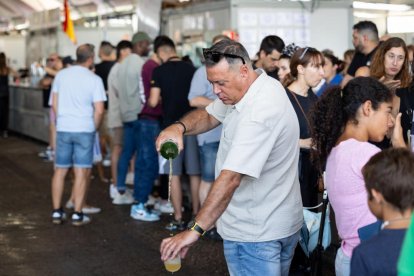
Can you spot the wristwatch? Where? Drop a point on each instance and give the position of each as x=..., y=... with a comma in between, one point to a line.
x=195, y=227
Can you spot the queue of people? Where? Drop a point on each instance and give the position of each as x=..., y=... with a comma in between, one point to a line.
x=255, y=135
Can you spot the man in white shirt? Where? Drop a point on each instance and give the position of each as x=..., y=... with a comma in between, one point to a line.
x=78, y=102
x=256, y=195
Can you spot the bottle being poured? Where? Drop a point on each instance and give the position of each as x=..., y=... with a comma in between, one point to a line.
x=169, y=150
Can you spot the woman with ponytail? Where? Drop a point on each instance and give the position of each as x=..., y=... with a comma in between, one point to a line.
x=342, y=123
x=306, y=71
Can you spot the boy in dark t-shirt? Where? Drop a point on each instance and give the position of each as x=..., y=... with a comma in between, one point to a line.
x=170, y=84
x=388, y=178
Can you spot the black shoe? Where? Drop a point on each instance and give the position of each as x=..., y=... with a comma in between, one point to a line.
x=175, y=225
x=58, y=216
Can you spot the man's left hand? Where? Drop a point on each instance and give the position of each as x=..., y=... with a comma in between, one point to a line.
x=179, y=244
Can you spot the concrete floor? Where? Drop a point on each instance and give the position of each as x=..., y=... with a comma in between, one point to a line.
x=112, y=244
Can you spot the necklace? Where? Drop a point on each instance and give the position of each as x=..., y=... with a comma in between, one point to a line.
x=391, y=221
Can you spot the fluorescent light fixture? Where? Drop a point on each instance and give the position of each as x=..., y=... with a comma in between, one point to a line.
x=400, y=24
x=379, y=6
x=368, y=15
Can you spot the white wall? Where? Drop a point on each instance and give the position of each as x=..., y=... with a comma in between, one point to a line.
x=14, y=47
x=93, y=36
x=330, y=29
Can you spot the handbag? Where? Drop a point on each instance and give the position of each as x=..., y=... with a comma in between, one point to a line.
x=312, y=225
x=97, y=154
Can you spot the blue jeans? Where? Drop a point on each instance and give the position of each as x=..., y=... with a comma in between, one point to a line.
x=74, y=149
x=260, y=258
x=129, y=147
x=147, y=159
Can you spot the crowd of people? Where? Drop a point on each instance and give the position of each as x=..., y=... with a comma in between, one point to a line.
x=255, y=135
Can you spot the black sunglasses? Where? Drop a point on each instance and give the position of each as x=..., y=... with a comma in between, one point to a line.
x=217, y=56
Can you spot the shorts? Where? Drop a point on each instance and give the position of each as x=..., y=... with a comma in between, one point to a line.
x=74, y=149
x=188, y=157
x=117, y=136
x=208, y=155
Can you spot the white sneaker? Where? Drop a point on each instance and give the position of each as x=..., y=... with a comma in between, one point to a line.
x=152, y=200
x=130, y=178
x=139, y=212
x=91, y=210
x=69, y=205
x=112, y=191
x=166, y=208
x=106, y=163
x=87, y=210
x=123, y=199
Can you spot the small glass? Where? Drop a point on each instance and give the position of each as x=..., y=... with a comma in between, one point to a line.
x=173, y=265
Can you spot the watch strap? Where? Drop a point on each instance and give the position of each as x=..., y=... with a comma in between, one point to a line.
x=197, y=228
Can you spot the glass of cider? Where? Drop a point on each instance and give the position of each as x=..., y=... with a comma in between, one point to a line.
x=173, y=265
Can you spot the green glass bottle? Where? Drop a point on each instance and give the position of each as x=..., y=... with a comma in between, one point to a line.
x=169, y=149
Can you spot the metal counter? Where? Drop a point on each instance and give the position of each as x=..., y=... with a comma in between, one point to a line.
x=27, y=114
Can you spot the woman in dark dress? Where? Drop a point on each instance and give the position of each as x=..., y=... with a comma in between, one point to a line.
x=306, y=71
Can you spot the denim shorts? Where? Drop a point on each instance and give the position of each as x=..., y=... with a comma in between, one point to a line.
x=74, y=149
x=208, y=155
x=260, y=258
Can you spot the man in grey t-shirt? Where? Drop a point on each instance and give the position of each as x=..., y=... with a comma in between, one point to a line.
x=256, y=196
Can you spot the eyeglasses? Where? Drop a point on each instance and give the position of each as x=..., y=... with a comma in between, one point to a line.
x=217, y=56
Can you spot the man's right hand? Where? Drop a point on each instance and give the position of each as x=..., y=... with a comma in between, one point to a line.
x=175, y=133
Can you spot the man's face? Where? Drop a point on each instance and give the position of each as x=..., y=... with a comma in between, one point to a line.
x=142, y=48
x=226, y=82
x=357, y=40
x=270, y=61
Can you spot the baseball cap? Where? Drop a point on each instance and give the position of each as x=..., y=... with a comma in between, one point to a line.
x=140, y=36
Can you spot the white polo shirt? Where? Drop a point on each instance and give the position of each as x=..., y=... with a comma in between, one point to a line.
x=260, y=140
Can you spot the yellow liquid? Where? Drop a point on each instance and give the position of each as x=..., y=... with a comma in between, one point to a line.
x=172, y=267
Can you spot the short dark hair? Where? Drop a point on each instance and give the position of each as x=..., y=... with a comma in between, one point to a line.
x=163, y=41
x=391, y=172
x=106, y=48
x=231, y=47
x=270, y=43
x=368, y=27
x=123, y=44
x=83, y=52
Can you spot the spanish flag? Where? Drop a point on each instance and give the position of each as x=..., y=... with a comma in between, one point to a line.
x=68, y=24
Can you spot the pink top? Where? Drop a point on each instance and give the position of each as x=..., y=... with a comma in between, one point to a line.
x=346, y=189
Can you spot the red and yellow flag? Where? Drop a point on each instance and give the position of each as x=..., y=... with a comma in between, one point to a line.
x=68, y=24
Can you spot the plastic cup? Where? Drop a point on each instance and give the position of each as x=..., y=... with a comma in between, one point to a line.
x=173, y=265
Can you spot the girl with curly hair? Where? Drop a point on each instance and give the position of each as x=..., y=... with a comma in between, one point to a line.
x=342, y=123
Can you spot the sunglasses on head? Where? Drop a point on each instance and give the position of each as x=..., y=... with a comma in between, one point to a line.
x=217, y=56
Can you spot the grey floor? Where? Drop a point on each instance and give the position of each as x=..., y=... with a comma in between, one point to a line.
x=112, y=244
